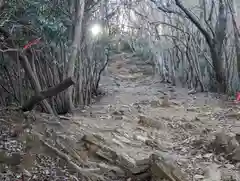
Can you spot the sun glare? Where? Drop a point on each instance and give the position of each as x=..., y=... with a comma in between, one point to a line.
x=96, y=29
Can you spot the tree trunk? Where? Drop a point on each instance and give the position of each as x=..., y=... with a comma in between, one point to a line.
x=218, y=69
x=34, y=81
x=74, y=49
x=215, y=42
x=236, y=34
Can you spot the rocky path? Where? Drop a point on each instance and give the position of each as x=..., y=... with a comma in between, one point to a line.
x=135, y=121
x=136, y=132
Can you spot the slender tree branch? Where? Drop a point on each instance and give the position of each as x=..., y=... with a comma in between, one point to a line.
x=195, y=22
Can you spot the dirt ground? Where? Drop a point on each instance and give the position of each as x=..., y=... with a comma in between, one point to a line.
x=134, y=120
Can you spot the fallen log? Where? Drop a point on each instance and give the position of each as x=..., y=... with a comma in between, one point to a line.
x=53, y=91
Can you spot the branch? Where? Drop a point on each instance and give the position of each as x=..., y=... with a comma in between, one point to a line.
x=166, y=10
x=53, y=91
x=174, y=37
x=159, y=22
x=168, y=24
x=233, y=18
x=211, y=12
x=195, y=22
x=9, y=50
x=208, y=21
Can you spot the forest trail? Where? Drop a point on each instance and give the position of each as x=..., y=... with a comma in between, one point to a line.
x=133, y=122
x=119, y=136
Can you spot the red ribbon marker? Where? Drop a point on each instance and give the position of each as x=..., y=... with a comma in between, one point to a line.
x=34, y=42
x=238, y=96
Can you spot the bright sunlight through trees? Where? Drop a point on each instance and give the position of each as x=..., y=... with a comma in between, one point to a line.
x=96, y=29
